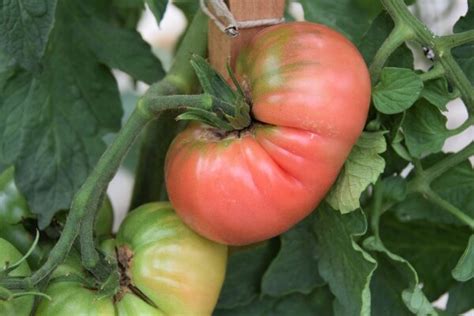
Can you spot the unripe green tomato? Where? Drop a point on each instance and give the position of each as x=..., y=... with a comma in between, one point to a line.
x=167, y=270
x=20, y=306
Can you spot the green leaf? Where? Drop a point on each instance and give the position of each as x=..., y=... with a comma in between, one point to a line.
x=455, y=186
x=244, y=274
x=437, y=93
x=52, y=124
x=189, y=7
x=346, y=16
x=464, y=269
x=397, y=90
x=7, y=69
x=395, y=287
x=294, y=268
x=319, y=302
x=460, y=298
x=121, y=49
x=362, y=167
x=394, y=189
x=343, y=263
x=124, y=13
x=432, y=249
x=25, y=29
x=158, y=7
x=425, y=129
x=464, y=54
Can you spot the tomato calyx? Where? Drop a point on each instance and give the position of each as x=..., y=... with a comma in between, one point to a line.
x=124, y=259
x=229, y=109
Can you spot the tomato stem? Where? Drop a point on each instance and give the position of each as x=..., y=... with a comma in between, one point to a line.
x=449, y=162
x=457, y=39
x=421, y=183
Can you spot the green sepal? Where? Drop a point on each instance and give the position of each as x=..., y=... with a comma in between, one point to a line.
x=230, y=108
x=210, y=118
x=211, y=81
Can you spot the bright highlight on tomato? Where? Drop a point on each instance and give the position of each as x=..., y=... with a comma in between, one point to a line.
x=310, y=93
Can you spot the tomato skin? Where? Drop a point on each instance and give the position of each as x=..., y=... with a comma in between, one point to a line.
x=71, y=298
x=310, y=91
x=179, y=271
x=20, y=306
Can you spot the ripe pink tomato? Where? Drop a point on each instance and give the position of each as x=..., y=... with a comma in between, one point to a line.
x=310, y=93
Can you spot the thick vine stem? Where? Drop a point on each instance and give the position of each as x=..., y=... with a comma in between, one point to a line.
x=457, y=39
x=397, y=37
x=90, y=257
x=89, y=196
x=434, y=73
x=441, y=46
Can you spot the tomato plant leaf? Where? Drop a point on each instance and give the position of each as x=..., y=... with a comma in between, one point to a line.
x=455, y=186
x=395, y=288
x=346, y=16
x=25, y=29
x=394, y=189
x=362, y=167
x=437, y=93
x=464, y=54
x=189, y=7
x=7, y=68
x=60, y=117
x=293, y=269
x=424, y=129
x=460, y=298
x=464, y=269
x=397, y=90
x=422, y=243
x=343, y=263
x=244, y=274
x=158, y=8
x=120, y=48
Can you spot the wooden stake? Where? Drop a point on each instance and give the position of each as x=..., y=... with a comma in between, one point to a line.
x=222, y=47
